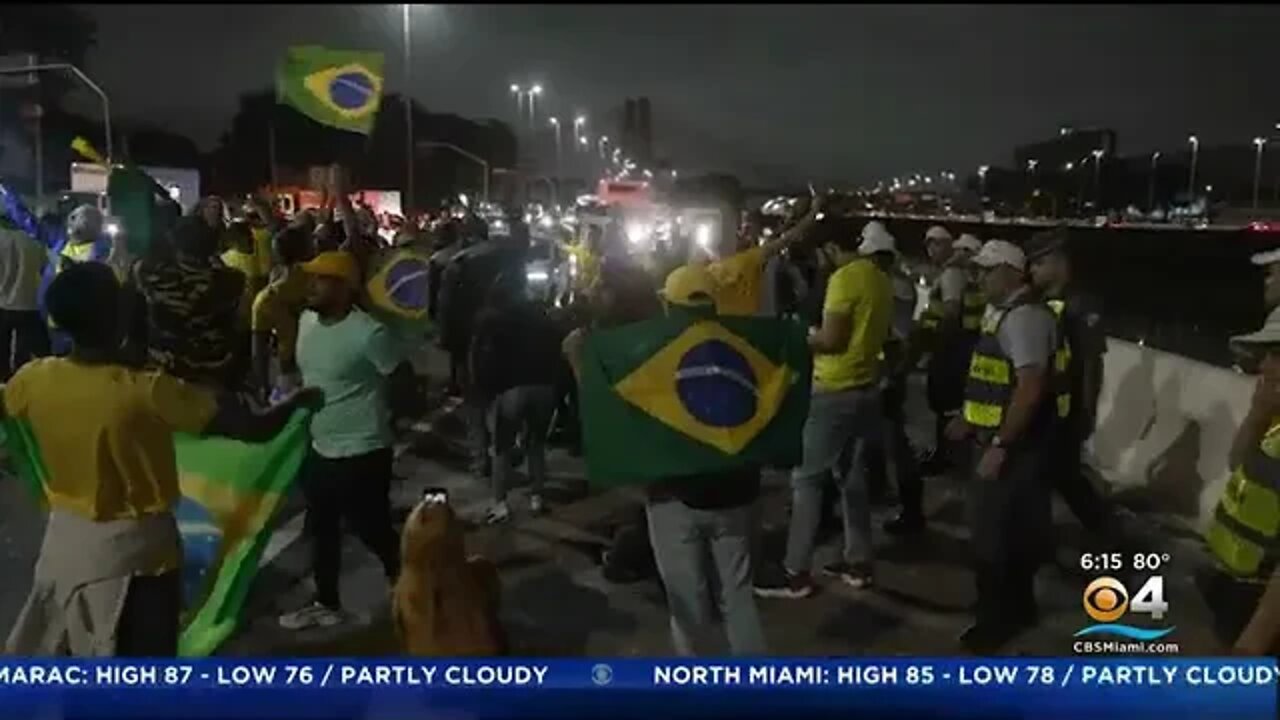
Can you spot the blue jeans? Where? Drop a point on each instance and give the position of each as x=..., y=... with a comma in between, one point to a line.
x=845, y=418
x=683, y=540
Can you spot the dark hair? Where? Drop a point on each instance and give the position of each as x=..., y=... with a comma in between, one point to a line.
x=846, y=240
x=241, y=230
x=292, y=245
x=84, y=300
x=192, y=236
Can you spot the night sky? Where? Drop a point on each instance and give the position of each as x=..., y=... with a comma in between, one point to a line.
x=774, y=93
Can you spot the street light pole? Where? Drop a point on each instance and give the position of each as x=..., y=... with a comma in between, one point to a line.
x=1195, y=155
x=982, y=181
x=1259, y=142
x=408, y=112
x=555, y=123
x=68, y=67
x=534, y=92
x=519, y=93
x=1151, y=185
x=1097, y=179
x=470, y=156
x=578, y=123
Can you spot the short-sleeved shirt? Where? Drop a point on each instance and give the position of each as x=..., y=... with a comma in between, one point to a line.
x=739, y=282
x=1028, y=334
x=262, y=249
x=952, y=282
x=105, y=433
x=247, y=265
x=276, y=311
x=349, y=360
x=862, y=291
x=192, y=315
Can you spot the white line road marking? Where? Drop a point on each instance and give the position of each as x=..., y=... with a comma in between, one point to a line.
x=283, y=537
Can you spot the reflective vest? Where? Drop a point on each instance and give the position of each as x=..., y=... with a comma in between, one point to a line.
x=1246, y=523
x=973, y=305
x=1061, y=361
x=989, y=388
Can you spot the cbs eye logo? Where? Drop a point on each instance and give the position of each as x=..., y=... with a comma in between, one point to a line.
x=1106, y=599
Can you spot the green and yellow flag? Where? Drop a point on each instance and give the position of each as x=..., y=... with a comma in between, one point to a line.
x=684, y=395
x=339, y=88
x=230, y=494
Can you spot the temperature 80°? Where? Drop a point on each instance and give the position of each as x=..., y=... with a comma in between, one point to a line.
x=1150, y=562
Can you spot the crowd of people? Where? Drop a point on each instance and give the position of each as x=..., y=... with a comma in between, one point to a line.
x=235, y=318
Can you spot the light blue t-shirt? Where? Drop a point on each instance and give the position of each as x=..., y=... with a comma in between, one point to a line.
x=350, y=361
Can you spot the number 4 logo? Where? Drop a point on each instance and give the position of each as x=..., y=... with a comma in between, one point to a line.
x=1150, y=598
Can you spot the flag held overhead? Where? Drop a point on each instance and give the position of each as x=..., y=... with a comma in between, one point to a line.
x=339, y=88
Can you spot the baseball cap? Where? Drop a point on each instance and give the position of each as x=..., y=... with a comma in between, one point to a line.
x=937, y=232
x=1046, y=242
x=876, y=238
x=968, y=242
x=1268, y=334
x=334, y=264
x=1001, y=252
x=689, y=285
x=1269, y=257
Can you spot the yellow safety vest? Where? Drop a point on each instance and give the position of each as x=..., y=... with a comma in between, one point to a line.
x=989, y=387
x=1062, y=361
x=973, y=305
x=71, y=254
x=1246, y=523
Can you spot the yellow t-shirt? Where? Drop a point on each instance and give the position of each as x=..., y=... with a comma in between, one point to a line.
x=739, y=281
x=262, y=250
x=247, y=264
x=276, y=310
x=106, y=433
x=862, y=291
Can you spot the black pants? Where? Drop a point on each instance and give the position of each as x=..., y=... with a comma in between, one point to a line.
x=358, y=490
x=896, y=444
x=1076, y=490
x=148, y=625
x=1010, y=527
x=23, y=336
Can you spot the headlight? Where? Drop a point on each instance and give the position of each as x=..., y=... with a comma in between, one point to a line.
x=702, y=236
x=637, y=233
x=546, y=222
x=536, y=276
x=498, y=226
x=112, y=229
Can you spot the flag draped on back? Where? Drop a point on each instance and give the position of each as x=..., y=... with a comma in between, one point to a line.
x=230, y=492
x=339, y=88
x=684, y=395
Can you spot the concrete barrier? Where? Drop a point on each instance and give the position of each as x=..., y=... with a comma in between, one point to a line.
x=1165, y=425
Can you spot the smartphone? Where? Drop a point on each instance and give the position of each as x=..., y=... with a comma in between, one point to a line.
x=435, y=495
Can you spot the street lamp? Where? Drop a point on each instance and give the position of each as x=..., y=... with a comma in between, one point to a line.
x=578, y=124
x=1097, y=178
x=604, y=140
x=1259, y=142
x=484, y=166
x=982, y=180
x=1195, y=156
x=1151, y=187
x=555, y=123
x=408, y=113
x=534, y=92
x=519, y=93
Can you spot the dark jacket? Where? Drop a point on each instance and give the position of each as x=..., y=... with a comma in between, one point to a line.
x=465, y=284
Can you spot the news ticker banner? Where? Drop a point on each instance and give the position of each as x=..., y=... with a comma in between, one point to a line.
x=1239, y=688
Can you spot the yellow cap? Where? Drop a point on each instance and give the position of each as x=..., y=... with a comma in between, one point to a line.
x=686, y=283
x=335, y=264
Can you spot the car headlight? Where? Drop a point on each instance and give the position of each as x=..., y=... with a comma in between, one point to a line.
x=702, y=236
x=637, y=233
x=536, y=276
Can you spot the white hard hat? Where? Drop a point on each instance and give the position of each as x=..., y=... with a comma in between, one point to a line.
x=876, y=238
x=1001, y=252
x=937, y=232
x=968, y=242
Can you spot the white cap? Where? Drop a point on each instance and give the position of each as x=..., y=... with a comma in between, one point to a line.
x=968, y=242
x=1270, y=257
x=1001, y=252
x=876, y=238
x=937, y=232
x=1269, y=334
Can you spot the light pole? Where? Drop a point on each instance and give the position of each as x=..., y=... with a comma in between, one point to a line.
x=1259, y=142
x=519, y=93
x=578, y=124
x=1195, y=156
x=470, y=156
x=408, y=114
x=604, y=140
x=1097, y=179
x=555, y=123
x=982, y=181
x=68, y=67
x=1151, y=185
x=534, y=92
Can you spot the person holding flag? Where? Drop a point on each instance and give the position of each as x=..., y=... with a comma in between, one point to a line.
x=107, y=580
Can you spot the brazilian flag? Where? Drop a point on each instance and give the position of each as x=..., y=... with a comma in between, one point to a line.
x=690, y=394
x=231, y=494
x=339, y=88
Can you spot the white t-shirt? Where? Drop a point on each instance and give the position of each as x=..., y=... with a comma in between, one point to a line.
x=22, y=259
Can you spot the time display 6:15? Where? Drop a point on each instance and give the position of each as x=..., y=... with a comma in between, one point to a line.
x=1102, y=562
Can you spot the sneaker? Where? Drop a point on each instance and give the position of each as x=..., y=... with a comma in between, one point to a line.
x=855, y=575
x=536, y=505
x=497, y=514
x=311, y=616
x=779, y=583
x=904, y=524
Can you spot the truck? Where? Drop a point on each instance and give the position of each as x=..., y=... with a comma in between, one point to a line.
x=183, y=184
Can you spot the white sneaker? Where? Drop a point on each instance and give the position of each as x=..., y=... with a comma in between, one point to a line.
x=311, y=616
x=498, y=514
x=535, y=504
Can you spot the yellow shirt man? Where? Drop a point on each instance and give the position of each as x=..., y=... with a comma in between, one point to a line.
x=739, y=281
x=106, y=433
x=864, y=293
x=277, y=309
